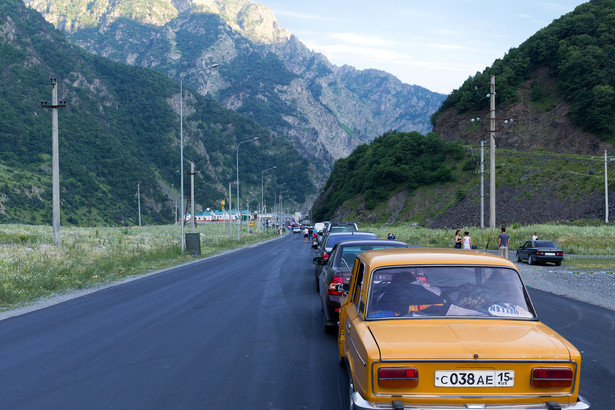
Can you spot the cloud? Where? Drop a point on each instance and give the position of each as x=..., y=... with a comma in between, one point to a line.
x=305, y=16
x=353, y=38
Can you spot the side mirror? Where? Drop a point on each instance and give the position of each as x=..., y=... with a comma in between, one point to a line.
x=318, y=260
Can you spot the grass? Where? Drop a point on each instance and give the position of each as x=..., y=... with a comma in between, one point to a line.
x=31, y=267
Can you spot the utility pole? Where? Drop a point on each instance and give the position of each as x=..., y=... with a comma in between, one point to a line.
x=192, y=195
x=482, y=184
x=606, y=190
x=55, y=158
x=492, y=154
x=139, y=202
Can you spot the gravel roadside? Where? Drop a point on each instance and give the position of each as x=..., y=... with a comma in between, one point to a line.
x=596, y=288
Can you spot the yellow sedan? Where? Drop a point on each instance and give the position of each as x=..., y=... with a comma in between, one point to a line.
x=450, y=329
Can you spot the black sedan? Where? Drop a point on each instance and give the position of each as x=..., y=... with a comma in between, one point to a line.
x=540, y=252
x=337, y=270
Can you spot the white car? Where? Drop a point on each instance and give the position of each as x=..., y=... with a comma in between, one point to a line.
x=296, y=229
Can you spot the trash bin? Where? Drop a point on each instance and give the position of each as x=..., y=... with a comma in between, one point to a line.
x=193, y=243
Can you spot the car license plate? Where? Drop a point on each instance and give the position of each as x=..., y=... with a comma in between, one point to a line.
x=549, y=253
x=475, y=378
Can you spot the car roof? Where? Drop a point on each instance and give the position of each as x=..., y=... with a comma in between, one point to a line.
x=431, y=256
x=372, y=242
x=350, y=233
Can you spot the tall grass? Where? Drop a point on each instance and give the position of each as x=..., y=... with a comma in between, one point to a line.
x=31, y=267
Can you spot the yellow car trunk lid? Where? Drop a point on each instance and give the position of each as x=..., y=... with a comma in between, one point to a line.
x=484, y=339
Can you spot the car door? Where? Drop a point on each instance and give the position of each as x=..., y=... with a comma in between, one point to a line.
x=523, y=250
x=359, y=341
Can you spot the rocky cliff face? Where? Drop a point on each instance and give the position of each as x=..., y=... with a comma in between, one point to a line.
x=326, y=111
x=533, y=127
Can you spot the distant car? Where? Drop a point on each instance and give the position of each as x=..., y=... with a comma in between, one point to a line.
x=296, y=229
x=337, y=270
x=450, y=329
x=329, y=241
x=319, y=227
x=540, y=252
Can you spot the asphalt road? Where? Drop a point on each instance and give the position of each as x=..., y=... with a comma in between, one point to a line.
x=241, y=330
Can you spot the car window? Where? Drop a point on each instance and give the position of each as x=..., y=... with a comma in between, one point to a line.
x=333, y=239
x=350, y=252
x=447, y=291
x=545, y=244
x=356, y=296
x=334, y=252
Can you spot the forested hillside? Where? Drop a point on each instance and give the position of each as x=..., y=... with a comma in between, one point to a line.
x=411, y=178
x=120, y=128
x=375, y=171
x=558, y=87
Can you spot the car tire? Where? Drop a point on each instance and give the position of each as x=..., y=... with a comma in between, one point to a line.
x=558, y=263
x=518, y=257
x=350, y=389
x=327, y=326
x=530, y=261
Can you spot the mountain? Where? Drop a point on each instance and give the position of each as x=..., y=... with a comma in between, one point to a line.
x=558, y=87
x=265, y=72
x=120, y=129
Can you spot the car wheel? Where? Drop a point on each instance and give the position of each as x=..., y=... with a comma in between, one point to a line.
x=317, y=284
x=518, y=257
x=530, y=261
x=558, y=263
x=350, y=390
x=326, y=325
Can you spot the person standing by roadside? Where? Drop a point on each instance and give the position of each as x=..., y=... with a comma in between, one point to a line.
x=467, y=240
x=458, y=239
x=534, y=237
x=503, y=239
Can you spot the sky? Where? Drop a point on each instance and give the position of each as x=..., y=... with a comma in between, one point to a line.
x=436, y=44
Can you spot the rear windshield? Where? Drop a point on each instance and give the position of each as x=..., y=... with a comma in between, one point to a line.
x=338, y=238
x=450, y=291
x=544, y=244
x=350, y=252
x=343, y=228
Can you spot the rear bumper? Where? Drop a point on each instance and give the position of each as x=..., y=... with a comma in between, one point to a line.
x=359, y=403
x=543, y=259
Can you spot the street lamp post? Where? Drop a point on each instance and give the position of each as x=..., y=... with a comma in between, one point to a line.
x=237, y=164
x=181, y=144
x=275, y=201
x=262, y=194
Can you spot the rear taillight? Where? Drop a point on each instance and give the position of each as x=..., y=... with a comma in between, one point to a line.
x=552, y=377
x=332, y=291
x=540, y=253
x=559, y=253
x=396, y=377
x=325, y=256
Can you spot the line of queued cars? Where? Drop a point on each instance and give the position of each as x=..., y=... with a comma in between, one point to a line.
x=423, y=328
